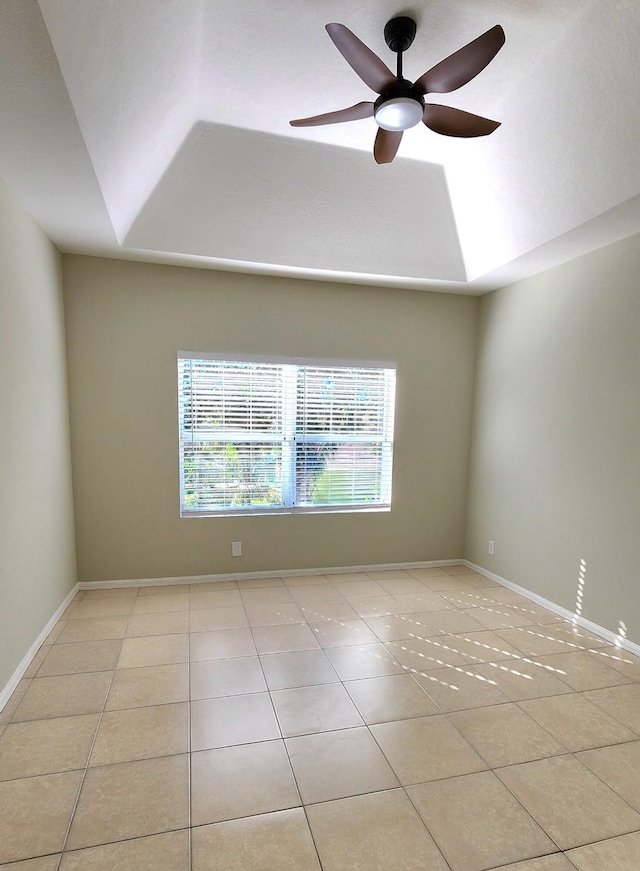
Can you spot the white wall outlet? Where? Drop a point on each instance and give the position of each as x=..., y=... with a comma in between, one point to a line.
x=492, y=547
x=236, y=548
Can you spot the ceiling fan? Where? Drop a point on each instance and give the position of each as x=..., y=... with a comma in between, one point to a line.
x=400, y=104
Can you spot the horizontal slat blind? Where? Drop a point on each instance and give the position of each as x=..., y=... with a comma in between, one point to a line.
x=344, y=430
x=270, y=436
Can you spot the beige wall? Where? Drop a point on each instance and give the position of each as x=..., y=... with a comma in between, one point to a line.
x=555, y=469
x=125, y=323
x=37, y=556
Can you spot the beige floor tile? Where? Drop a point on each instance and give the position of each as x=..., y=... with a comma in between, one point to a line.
x=332, y=765
x=326, y=612
x=399, y=627
x=536, y=613
x=80, y=657
x=284, y=639
x=305, y=710
x=427, y=601
x=618, y=854
x=426, y=749
x=226, y=677
x=44, y=863
x=619, y=767
x=446, y=583
x=425, y=574
x=39, y=657
x=505, y=735
x=168, y=851
x=578, y=635
x=64, y=696
x=483, y=646
x=215, y=586
x=303, y=580
x=168, y=623
x=141, y=733
x=96, y=629
x=379, y=832
x=274, y=615
x=525, y=680
x=571, y=804
x=446, y=622
x=241, y=781
x=537, y=640
x=419, y=655
x=623, y=703
x=232, y=720
x=576, y=723
x=399, y=585
x=35, y=814
x=583, y=670
x=360, y=589
x=200, y=600
x=131, y=800
x=112, y=593
x=280, y=840
x=120, y=607
x=299, y=669
x=377, y=606
x=163, y=589
x=468, y=599
x=507, y=596
x=221, y=644
x=278, y=595
x=154, y=650
x=259, y=583
x=384, y=574
x=46, y=746
x=459, y=688
x=55, y=633
x=477, y=823
x=623, y=662
x=309, y=593
x=342, y=633
x=159, y=604
x=395, y=697
x=153, y=685
x=501, y=617
x=218, y=618
x=556, y=862
x=364, y=660
x=347, y=577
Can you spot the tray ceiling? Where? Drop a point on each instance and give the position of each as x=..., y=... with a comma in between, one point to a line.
x=160, y=131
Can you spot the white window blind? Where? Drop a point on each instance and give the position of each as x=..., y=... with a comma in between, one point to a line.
x=283, y=437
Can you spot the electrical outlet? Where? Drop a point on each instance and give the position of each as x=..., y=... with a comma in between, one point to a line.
x=492, y=547
x=236, y=548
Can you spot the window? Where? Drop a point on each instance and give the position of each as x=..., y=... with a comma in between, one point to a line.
x=272, y=435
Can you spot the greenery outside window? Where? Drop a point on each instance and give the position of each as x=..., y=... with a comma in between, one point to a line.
x=272, y=435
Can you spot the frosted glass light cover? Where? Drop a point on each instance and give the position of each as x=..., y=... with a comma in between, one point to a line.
x=400, y=113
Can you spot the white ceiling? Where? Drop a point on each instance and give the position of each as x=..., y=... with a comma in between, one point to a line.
x=158, y=129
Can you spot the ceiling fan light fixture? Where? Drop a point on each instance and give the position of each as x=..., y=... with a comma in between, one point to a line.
x=399, y=113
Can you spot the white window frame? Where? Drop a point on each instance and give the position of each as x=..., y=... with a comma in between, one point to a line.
x=289, y=441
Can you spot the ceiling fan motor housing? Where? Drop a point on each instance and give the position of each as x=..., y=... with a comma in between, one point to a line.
x=399, y=33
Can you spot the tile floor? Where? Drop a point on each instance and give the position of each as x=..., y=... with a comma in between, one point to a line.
x=423, y=720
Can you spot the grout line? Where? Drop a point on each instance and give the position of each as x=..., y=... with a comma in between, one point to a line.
x=86, y=768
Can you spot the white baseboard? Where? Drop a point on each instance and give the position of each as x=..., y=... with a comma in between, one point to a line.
x=275, y=573
x=607, y=634
x=16, y=677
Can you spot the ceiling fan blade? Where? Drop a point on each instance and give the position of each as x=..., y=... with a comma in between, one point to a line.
x=386, y=145
x=455, y=122
x=366, y=64
x=352, y=113
x=463, y=65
